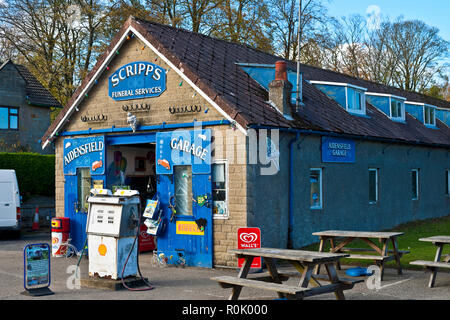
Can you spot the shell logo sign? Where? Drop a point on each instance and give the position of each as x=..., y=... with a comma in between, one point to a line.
x=102, y=250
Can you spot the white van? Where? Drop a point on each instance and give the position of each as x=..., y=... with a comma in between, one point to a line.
x=9, y=202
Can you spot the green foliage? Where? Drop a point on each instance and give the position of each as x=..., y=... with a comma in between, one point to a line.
x=35, y=173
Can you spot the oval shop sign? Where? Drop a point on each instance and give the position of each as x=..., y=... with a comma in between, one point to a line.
x=137, y=80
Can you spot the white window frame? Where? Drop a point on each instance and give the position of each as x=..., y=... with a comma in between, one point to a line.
x=417, y=184
x=433, y=119
x=348, y=85
x=225, y=216
x=320, y=206
x=402, y=118
x=376, y=185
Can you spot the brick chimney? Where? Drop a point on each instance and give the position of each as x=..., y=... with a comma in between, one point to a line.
x=280, y=89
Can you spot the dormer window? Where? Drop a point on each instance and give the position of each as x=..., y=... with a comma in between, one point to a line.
x=392, y=106
x=425, y=113
x=350, y=97
x=429, y=115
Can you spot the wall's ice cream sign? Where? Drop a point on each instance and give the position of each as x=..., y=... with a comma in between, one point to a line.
x=137, y=80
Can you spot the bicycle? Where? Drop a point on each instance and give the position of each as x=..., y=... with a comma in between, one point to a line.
x=159, y=259
x=71, y=250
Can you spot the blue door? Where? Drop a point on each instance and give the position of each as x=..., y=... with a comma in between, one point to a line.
x=187, y=208
x=84, y=162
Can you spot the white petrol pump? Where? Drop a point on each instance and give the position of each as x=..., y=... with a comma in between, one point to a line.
x=111, y=230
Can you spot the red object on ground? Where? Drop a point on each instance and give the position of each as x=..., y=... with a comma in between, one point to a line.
x=35, y=225
x=249, y=238
x=60, y=235
x=146, y=241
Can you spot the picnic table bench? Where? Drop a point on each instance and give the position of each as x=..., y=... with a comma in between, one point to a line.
x=304, y=263
x=433, y=266
x=382, y=252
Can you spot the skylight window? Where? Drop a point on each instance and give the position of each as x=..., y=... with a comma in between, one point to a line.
x=350, y=97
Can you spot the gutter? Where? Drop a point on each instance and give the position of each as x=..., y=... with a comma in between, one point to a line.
x=162, y=126
x=351, y=136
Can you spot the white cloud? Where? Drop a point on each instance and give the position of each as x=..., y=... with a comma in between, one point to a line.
x=373, y=13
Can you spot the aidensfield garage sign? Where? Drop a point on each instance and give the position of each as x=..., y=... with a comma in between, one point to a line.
x=137, y=80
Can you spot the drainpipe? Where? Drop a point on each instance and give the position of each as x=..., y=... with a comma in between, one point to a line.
x=291, y=189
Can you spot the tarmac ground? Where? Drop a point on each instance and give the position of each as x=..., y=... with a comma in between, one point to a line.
x=192, y=284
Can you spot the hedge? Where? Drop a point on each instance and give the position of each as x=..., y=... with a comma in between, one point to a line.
x=35, y=172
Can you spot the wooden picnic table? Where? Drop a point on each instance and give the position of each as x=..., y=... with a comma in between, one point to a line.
x=303, y=261
x=383, y=254
x=433, y=266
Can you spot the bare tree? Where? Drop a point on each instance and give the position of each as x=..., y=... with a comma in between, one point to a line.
x=418, y=48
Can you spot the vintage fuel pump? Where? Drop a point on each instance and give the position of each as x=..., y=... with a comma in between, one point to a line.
x=112, y=226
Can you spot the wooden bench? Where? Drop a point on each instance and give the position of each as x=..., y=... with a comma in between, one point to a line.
x=290, y=291
x=433, y=266
x=383, y=254
x=430, y=264
x=304, y=263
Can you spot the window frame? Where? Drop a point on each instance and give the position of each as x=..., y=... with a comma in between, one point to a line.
x=320, y=207
x=431, y=115
x=353, y=97
x=447, y=178
x=361, y=90
x=227, y=214
x=377, y=184
x=416, y=196
x=12, y=115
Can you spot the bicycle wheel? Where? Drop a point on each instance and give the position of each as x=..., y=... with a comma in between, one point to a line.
x=70, y=251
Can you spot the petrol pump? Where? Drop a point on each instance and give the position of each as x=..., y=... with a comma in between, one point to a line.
x=112, y=226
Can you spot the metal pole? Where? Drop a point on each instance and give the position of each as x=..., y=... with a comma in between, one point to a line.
x=299, y=93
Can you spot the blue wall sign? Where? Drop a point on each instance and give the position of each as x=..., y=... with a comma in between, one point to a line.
x=85, y=153
x=338, y=150
x=137, y=80
x=183, y=148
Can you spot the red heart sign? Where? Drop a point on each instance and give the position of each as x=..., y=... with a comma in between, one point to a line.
x=249, y=238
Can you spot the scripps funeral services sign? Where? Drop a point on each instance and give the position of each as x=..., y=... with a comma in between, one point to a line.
x=137, y=80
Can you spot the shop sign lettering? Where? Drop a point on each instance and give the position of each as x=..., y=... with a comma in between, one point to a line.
x=189, y=228
x=84, y=152
x=137, y=80
x=338, y=150
x=183, y=148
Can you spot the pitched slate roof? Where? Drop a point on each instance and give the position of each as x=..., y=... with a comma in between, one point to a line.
x=36, y=93
x=211, y=64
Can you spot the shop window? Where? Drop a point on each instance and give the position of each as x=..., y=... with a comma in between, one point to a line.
x=219, y=189
x=183, y=190
x=315, y=178
x=84, y=188
x=415, y=184
x=373, y=186
x=9, y=118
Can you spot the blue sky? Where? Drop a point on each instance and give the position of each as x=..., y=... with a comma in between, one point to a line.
x=435, y=13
